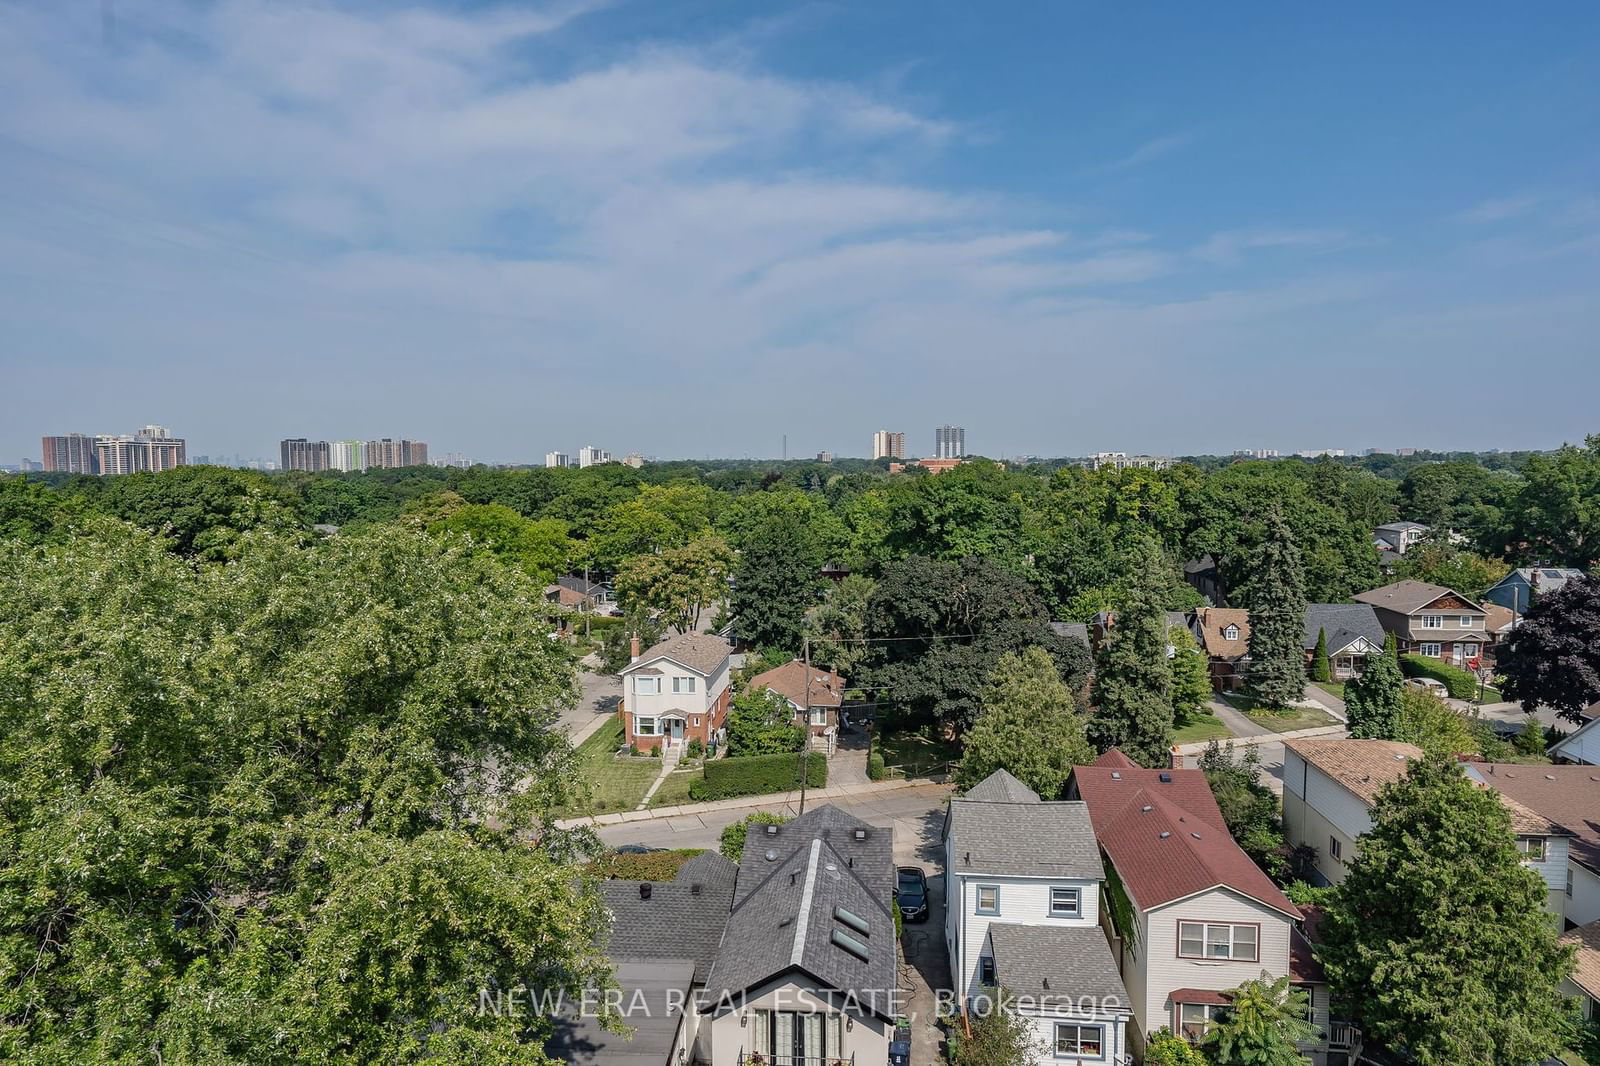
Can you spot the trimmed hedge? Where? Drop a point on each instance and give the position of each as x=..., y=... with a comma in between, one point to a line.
x=757, y=775
x=875, y=768
x=1461, y=684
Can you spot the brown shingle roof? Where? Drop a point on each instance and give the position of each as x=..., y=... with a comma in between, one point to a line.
x=789, y=681
x=1567, y=795
x=1167, y=838
x=1407, y=597
x=1214, y=621
x=700, y=652
x=1365, y=766
x=1586, y=968
x=1496, y=617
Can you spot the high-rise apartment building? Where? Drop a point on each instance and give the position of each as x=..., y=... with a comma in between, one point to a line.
x=887, y=444
x=949, y=442
x=297, y=453
x=388, y=454
x=589, y=455
x=347, y=455
x=70, y=453
x=153, y=448
x=554, y=460
x=1124, y=461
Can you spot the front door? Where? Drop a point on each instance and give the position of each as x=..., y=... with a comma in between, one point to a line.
x=677, y=730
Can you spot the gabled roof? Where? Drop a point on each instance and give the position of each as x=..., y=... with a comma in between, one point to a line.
x=1497, y=618
x=682, y=919
x=1409, y=597
x=792, y=910
x=577, y=583
x=653, y=994
x=1213, y=622
x=1567, y=795
x=1078, y=631
x=826, y=688
x=1550, y=577
x=1065, y=962
x=1002, y=787
x=1401, y=527
x=1586, y=966
x=700, y=652
x=1344, y=624
x=1166, y=837
x=1022, y=838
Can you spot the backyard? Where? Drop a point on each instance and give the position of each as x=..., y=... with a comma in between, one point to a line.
x=917, y=748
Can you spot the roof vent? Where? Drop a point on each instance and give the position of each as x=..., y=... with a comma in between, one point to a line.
x=1165, y=834
x=854, y=921
x=1146, y=809
x=1195, y=835
x=859, y=834
x=694, y=889
x=771, y=855
x=850, y=944
x=1116, y=775
x=644, y=890
x=1165, y=779
x=772, y=830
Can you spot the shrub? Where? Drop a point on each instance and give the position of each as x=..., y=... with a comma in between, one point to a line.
x=1461, y=684
x=1305, y=894
x=655, y=752
x=733, y=836
x=633, y=749
x=695, y=748
x=757, y=775
x=1167, y=1049
x=1531, y=740
x=875, y=768
x=651, y=866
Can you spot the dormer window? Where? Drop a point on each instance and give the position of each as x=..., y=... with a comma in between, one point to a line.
x=1230, y=632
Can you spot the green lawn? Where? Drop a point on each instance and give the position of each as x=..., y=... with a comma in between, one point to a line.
x=918, y=747
x=1204, y=727
x=1336, y=688
x=1286, y=722
x=615, y=784
x=675, y=789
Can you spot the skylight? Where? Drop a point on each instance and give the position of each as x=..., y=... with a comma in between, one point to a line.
x=850, y=944
x=854, y=921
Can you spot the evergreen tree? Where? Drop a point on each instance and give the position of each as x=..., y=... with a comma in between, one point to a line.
x=1133, y=680
x=1264, y=1020
x=1321, y=669
x=1029, y=726
x=1437, y=940
x=775, y=583
x=1372, y=701
x=1276, y=597
x=1191, y=676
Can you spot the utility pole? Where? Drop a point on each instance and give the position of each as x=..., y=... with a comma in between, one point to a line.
x=805, y=731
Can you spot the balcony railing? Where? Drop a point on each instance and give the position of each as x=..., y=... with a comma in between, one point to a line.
x=751, y=1058
x=1342, y=1036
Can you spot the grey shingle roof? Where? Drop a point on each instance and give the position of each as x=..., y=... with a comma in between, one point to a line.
x=1066, y=961
x=679, y=920
x=660, y=985
x=1001, y=787
x=1343, y=623
x=785, y=916
x=1078, y=631
x=698, y=651
x=1406, y=597
x=1027, y=839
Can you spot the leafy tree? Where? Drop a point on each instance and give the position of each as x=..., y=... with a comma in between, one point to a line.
x=998, y=1036
x=678, y=584
x=1437, y=940
x=775, y=582
x=1372, y=700
x=731, y=842
x=937, y=628
x=539, y=547
x=838, y=625
x=1432, y=724
x=761, y=722
x=1553, y=654
x=31, y=513
x=1321, y=669
x=616, y=641
x=657, y=519
x=1275, y=595
x=1132, y=680
x=202, y=510
x=1249, y=808
x=1029, y=726
x=1191, y=676
x=1438, y=560
x=1555, y=515
x=247, y=810
x=1264, y=1019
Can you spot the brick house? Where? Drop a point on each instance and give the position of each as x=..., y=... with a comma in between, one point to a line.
x=815, y=700
x=1224, y=636
x=676, y=692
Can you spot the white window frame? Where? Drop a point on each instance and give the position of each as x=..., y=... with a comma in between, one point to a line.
x=1335, y=847
x=1465, y=621
x=1431, y=621
x=819, y=716
x=1230, y=632
x=1074, y=910
x=1467, y=650
x=977, y=899
x=647, y=686
x=640, y=730
x=683, y=685
x=1076, y=1048
x=1533, y=849
x=1436, y=653
x=1210, y=939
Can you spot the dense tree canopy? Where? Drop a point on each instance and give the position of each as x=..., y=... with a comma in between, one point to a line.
x=776, y=581
x=1029, y=726
x=1275, y=594
x=1372, y=700
x=1553, y=654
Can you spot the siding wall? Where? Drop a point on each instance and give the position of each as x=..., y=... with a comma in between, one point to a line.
x=1023, y=901
x=722, y=1038
x=1584, y=906
x=708, y=702
x=1165, y=971
x=1044, y=1026
x=1583, y=749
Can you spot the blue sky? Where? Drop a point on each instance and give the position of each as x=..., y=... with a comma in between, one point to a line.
x=690, y=228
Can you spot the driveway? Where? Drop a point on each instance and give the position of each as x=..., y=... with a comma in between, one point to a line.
x=598, y=697
x=925, y=966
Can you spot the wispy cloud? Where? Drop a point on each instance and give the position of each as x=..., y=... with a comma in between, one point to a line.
x=1499, y=210
x=1229, y=246
x=1148, y=152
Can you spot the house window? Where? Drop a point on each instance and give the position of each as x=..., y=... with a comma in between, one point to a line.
x=1203, y=940
x=1430, y=649
x=819, y=716
x=988, y=899
x=1468, y=651
x=1335, y=848
x=1532, y=848
x=1433, y=621
x=1064, y=903
x=1230, y=633
x=696, y=719
x=1195, y=1018
x=683, y=684
x=1074, y=1039
x=986, y=971
x=1569, y=882
x=644, y=727
x=1465, y=621
x=646, y=686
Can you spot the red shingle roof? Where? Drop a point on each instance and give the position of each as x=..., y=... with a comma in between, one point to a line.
x=789, y=681
x=1165, y=835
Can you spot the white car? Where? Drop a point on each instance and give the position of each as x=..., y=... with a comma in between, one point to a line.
x=1428, y=684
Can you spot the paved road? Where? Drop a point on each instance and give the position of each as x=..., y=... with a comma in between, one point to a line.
x=916, y=813
x=598, y=700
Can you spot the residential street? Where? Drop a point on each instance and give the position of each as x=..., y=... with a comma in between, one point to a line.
x=600, y=694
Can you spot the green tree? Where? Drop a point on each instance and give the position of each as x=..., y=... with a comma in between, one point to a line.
x=659, y=518
x=776, y=582
x=998, y=1036
x=1433, y=725
x=731, y=842
x=202, y=510
x=838, y=625
x=1555, y=514
x=679, y=583
x=761, y=722
x=1437, y=941
x=1276, y=597
x=1438, y=560
x=1372, y=700
x=1249, y=808
x=1191, y=676
x=1321, y=669
x=1553, y=654
x=539, y=547
x=1029, y=725
x=32, y=513
x=1264, y=1020
x=247, y=809
x=1132, y=692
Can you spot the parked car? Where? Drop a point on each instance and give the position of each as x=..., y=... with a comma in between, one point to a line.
x=1428, y=684
x=911, y=892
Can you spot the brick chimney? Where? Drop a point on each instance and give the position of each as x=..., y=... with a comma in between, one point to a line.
x=633, y=649
x=1175, y=758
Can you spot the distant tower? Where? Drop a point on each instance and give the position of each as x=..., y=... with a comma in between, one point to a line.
x=949, y=442
x=887, y=444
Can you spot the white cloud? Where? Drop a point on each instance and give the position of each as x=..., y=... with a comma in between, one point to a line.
x=1499, y=210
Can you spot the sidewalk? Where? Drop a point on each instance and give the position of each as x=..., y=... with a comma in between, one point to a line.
x=774, y=799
